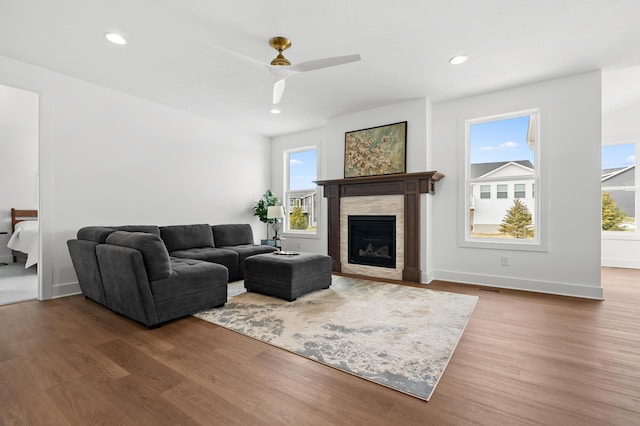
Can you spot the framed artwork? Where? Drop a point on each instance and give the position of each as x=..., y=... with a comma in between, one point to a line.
x=376, y=151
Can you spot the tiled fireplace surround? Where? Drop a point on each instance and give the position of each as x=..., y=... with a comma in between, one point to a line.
x=395, y=195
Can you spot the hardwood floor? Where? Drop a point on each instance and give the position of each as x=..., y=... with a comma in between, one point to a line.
x=524, y=359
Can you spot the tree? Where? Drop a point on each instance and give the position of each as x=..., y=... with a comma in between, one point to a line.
x=297, y=219
x=517, y=222
x=612, y=215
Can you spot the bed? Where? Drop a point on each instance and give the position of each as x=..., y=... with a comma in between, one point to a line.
x=24, y=235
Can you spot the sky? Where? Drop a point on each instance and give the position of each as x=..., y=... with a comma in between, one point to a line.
x=500, y=140
x=618, y=156
x=302, y=170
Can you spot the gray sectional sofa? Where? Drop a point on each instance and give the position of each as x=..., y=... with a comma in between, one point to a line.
x=156, y=274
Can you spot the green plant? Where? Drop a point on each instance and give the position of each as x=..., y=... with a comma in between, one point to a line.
x=298, y=220
x=612, y=215
x=261, y=207
x=517, y=222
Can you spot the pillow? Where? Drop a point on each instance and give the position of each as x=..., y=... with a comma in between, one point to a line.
x=182, y=237
x=232, y=235
x=27, y=225
x=154, y=252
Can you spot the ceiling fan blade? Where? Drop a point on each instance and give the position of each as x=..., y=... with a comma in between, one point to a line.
x=234, y=53
x=278, y=91
x=324, y=63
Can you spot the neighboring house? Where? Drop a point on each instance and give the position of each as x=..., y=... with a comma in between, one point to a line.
x=620, y=179
x=306, y=200
x=494, y=187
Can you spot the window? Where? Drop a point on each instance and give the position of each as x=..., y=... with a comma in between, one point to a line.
x=620, y=194
x=502, y=152
x=301, y=192
x=502, y=191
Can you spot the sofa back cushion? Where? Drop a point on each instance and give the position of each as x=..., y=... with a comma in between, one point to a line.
x=182, y=237
x=154, y=252
x=232, y=235
x=149, y=229
x=96, y=234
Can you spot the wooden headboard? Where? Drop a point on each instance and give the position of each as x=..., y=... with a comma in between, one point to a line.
x=18, y=216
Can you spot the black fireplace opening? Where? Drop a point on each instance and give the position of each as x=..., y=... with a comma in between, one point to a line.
x=372, y=240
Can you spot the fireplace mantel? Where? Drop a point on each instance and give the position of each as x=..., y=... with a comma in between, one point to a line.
x=410, y=185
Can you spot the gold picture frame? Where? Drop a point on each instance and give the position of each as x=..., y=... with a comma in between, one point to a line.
x=380, y=150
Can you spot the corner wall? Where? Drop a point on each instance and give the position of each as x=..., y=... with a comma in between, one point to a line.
x=570, y=181
x=107, y=158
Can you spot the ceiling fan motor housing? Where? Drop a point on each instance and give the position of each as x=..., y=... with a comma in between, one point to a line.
x=280, y=44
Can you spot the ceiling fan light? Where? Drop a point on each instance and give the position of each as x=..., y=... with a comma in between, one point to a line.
x=459, y=59
x=115, y=38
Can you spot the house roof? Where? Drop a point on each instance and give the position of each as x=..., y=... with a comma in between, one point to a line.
x=481, y=169
x=608, y=174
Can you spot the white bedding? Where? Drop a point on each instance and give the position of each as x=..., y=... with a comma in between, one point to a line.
x=25, y=240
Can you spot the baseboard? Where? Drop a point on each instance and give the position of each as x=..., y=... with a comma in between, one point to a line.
x=547, y=287
x=427, y=277
x=621, y=263
x=63, y=290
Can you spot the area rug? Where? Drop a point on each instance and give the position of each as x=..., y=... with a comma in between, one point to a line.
x=394, y=335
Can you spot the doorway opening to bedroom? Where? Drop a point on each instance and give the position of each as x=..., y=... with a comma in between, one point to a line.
x=19, y=234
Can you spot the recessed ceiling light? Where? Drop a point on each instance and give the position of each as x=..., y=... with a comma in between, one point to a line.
x=275, y=110
x=457, y=60
x=115, y=38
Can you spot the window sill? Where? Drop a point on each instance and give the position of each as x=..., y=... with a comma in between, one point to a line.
x=629, y=236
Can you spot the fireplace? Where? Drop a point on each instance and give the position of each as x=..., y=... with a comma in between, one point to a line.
x=372, y=240
x=409, y=186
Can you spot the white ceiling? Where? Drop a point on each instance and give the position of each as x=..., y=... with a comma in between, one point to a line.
x=405, y=47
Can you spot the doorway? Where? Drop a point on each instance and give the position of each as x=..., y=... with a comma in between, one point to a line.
x=19, y=148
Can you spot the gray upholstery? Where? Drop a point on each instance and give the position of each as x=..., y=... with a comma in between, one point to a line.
x=232, y=235
x=238, y=238
x=287, y=277
x=85, y=263
x=181, y=237
x=154, y=252
x=228, y=258
x=178, y=288
x=155, y=274
x=94, y=233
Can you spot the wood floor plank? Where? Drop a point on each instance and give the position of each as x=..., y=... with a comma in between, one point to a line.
x=524, y=359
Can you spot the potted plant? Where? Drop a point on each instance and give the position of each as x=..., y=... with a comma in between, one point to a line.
x=261, y=207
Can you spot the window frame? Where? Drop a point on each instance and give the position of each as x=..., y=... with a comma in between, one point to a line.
x=297, y=233
x=540, y=241
x=523, y=191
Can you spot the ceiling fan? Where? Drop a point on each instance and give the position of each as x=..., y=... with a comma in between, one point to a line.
x=281, y=68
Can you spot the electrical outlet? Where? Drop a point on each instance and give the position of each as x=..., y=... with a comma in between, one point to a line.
x=504, y=260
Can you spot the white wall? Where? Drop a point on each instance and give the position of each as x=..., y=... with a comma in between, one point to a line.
x=330, y=139
x=110, y=158
x=570, y=181
x=18, y=157
x=621, y=127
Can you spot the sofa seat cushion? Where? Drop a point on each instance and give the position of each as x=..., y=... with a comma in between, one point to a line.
x=154, y=252
x=248, y=250
x=188, y=277
x=228, y=258
x=232, y=235
x=182, y=237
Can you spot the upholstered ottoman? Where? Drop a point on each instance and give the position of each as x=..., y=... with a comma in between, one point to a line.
x=287, y=276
